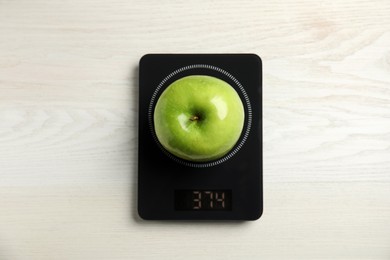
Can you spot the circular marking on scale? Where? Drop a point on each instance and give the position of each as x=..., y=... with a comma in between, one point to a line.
x=247, y=103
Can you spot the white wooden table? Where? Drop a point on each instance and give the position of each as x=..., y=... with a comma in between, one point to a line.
x=68, y=127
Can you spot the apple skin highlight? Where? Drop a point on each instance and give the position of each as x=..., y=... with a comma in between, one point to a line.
x=199, y=118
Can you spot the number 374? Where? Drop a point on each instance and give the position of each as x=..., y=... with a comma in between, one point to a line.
x=208, y=199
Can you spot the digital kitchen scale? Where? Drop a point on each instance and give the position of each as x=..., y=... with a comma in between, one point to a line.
x=229, y=188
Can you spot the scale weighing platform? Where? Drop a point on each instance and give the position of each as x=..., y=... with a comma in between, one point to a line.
x=229, y=188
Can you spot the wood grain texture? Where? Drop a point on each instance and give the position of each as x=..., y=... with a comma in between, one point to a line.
x=68, y=121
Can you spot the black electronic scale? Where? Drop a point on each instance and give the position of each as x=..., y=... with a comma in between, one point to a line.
x=229, y=188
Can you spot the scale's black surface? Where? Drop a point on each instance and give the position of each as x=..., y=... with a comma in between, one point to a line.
x=227, y=189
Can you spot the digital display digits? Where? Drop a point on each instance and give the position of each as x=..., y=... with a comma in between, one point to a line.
x=203, y=200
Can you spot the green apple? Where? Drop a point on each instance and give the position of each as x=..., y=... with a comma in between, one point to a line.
x=199, y=118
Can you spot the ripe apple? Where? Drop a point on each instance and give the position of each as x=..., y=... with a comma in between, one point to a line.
x=199, y=118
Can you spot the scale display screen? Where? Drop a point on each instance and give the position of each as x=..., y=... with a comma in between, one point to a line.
x=203, y=200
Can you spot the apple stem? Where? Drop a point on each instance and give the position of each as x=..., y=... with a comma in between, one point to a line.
x=194, y=118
